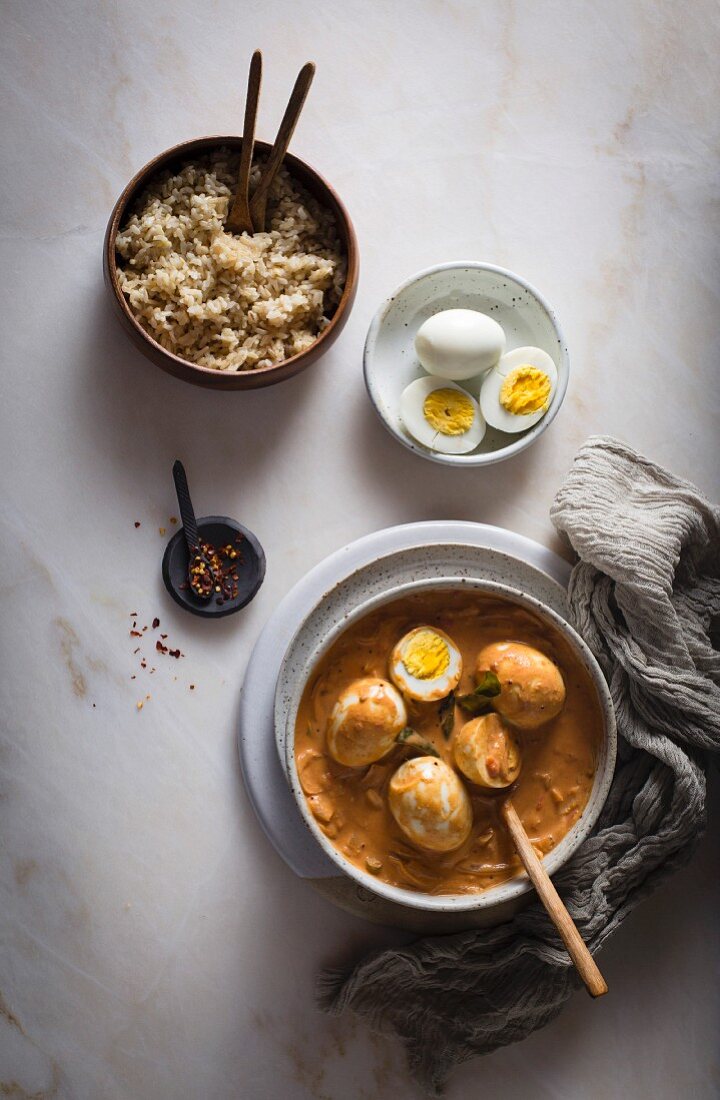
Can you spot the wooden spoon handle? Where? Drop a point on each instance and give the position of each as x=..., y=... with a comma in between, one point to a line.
x=577, y=949
x=258, y=202
x=239, y=219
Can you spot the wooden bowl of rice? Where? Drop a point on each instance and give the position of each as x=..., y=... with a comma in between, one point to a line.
x=219, y=310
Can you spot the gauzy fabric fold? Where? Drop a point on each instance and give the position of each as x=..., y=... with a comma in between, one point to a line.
x=645, y=596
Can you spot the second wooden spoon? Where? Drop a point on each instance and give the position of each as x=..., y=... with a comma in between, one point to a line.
x=258, y=202
x=239, y=219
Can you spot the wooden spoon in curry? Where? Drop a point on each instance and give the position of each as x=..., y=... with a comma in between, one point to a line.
x=487, y=754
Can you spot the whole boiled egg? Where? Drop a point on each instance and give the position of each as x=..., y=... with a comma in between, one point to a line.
x=459, y=343
x=487, y=752
x=516, y=393
x=532, y=689
x=426, y=665
x=442, y=416
x=365, y=721
x=430, y=804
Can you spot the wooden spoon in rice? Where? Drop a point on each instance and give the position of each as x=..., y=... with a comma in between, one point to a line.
x=239, y=219
x=258, y=202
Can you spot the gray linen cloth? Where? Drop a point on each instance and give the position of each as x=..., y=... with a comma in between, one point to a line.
x=645, y=595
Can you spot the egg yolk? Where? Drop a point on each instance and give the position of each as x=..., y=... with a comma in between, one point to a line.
x=449, y=412
x=525, y=390
x=426, y=656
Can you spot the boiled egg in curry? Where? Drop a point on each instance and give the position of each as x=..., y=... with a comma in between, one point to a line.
x=426, y=665
x=442, y=416
x=532, y=690
x=365, y=721
x=517, y=393
x=487, y=752
x=430, y=804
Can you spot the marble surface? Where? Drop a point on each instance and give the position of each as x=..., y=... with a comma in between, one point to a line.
x=152, y=944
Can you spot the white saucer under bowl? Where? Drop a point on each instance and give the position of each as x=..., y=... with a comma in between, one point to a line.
x=390, y=362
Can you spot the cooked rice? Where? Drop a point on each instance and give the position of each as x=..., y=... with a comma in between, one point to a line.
x=234, y=303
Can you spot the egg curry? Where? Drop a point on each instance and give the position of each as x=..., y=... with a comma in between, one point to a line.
x=421, y=715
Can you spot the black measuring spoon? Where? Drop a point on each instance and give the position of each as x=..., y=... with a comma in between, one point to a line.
x=188, y=571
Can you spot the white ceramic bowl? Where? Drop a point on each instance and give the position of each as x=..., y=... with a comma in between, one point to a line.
x=314, y=638
x=390, y=362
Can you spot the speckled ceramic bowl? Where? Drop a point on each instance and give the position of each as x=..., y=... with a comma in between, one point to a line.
x=321, y=629
x=390, y=362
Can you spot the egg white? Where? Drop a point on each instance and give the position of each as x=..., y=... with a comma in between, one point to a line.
x=459, y=343
x=492, y=383
x=412, y=401
x=425, y=691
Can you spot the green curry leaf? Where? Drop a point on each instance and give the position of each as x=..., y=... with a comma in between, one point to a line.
x=411, y=739
x=477, y=702
x=446, y=714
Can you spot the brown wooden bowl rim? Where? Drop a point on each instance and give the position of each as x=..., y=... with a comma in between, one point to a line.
x=176, y=152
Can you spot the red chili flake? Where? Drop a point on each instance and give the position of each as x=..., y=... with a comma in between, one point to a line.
x=135, y=634
x=160, y=647
x=136, y=650
x=143, y=663
x=144, y=628
x=163, y=636
x=155, y=624
x=192, y=687
x=93, y=706
x=137, y=522
x=133, y=614
x=133, y=677
x=175, y=653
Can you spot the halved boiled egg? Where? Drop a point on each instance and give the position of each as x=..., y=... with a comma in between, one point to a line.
x=459, y=343
x=442, y=416
x=426, y=664
x=367, y=717
x=516, y=393
x=430, y=804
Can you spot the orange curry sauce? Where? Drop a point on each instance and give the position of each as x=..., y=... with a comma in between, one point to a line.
x=559, y=759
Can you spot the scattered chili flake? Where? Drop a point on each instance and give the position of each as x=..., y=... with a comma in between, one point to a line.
x=133, y=614
x=133, y=677
x=143, y=663
x=137, y=522
x=136, y=650
x=93, y=706
x=192, y=687
x=135, y=634
x=155, y=623
x=163, y=636
x=160, y=647
x=144, y=628
x=175, y=653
